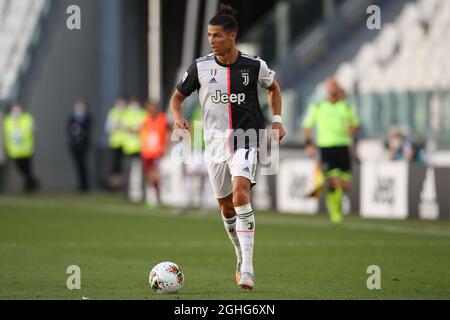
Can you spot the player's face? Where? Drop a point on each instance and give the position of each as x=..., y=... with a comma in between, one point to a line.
x=16, y=109
x=220, y=41
x=121, y=102
x=152, y=108
x=333, y=90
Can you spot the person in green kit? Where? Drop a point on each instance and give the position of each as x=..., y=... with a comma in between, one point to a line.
x=18, y=128
x=336, y=123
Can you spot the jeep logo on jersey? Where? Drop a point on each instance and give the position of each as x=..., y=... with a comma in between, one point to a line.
x=220, y=97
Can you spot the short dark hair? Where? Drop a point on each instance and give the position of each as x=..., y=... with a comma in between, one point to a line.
x=226, y=17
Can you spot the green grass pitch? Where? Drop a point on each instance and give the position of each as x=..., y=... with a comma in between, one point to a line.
x=296, y=257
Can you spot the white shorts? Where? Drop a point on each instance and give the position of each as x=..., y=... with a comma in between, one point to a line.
x=242, y=164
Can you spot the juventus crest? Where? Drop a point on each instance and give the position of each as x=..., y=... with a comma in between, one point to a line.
x=246, y=77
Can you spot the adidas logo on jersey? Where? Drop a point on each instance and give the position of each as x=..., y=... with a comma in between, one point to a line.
x=213, y=80
x=220, y=97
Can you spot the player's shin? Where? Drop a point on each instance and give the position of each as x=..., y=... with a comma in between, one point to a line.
x=230, y=227
x=334, y=204
x=246, y=233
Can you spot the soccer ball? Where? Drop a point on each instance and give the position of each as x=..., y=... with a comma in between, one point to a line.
x=166, y=277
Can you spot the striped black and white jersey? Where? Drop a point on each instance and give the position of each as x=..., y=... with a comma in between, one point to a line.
x=229, y=98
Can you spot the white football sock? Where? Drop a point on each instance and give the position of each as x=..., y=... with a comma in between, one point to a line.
x=246, y=233
x=230, y=227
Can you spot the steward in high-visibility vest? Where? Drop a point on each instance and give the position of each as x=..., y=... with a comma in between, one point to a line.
x=18, y=132
x=116, y=138
x=132, y=119
x=19, y=143
x=114, y=125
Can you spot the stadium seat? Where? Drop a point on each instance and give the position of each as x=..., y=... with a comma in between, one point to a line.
x=19, y=19
x=404, y=49
x=347, y=76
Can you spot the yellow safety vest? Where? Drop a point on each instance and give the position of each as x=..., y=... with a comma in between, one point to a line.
x=118, y=134
x=19, y=139
x=133, y=119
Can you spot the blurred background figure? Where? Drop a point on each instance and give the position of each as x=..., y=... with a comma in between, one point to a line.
x=195, y=169
x=116, y=137
x=18, y=128
x=78, y=134
x=154, y=138
x=336, y=123
x=400, y=147
x=133, y=119
x=2, y=153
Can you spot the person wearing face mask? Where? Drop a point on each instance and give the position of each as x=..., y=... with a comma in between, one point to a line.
x=401, y=148
x=18, y=127
x=78, y=131
x=336, y=123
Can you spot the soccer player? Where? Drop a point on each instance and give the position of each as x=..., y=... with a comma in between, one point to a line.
x=227, y=83
x=336, y=123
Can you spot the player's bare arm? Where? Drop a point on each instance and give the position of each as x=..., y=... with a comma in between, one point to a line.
x=274, y=97
x=353, y=130
x=307, y=133
x=176, y=106
x=310, y=148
